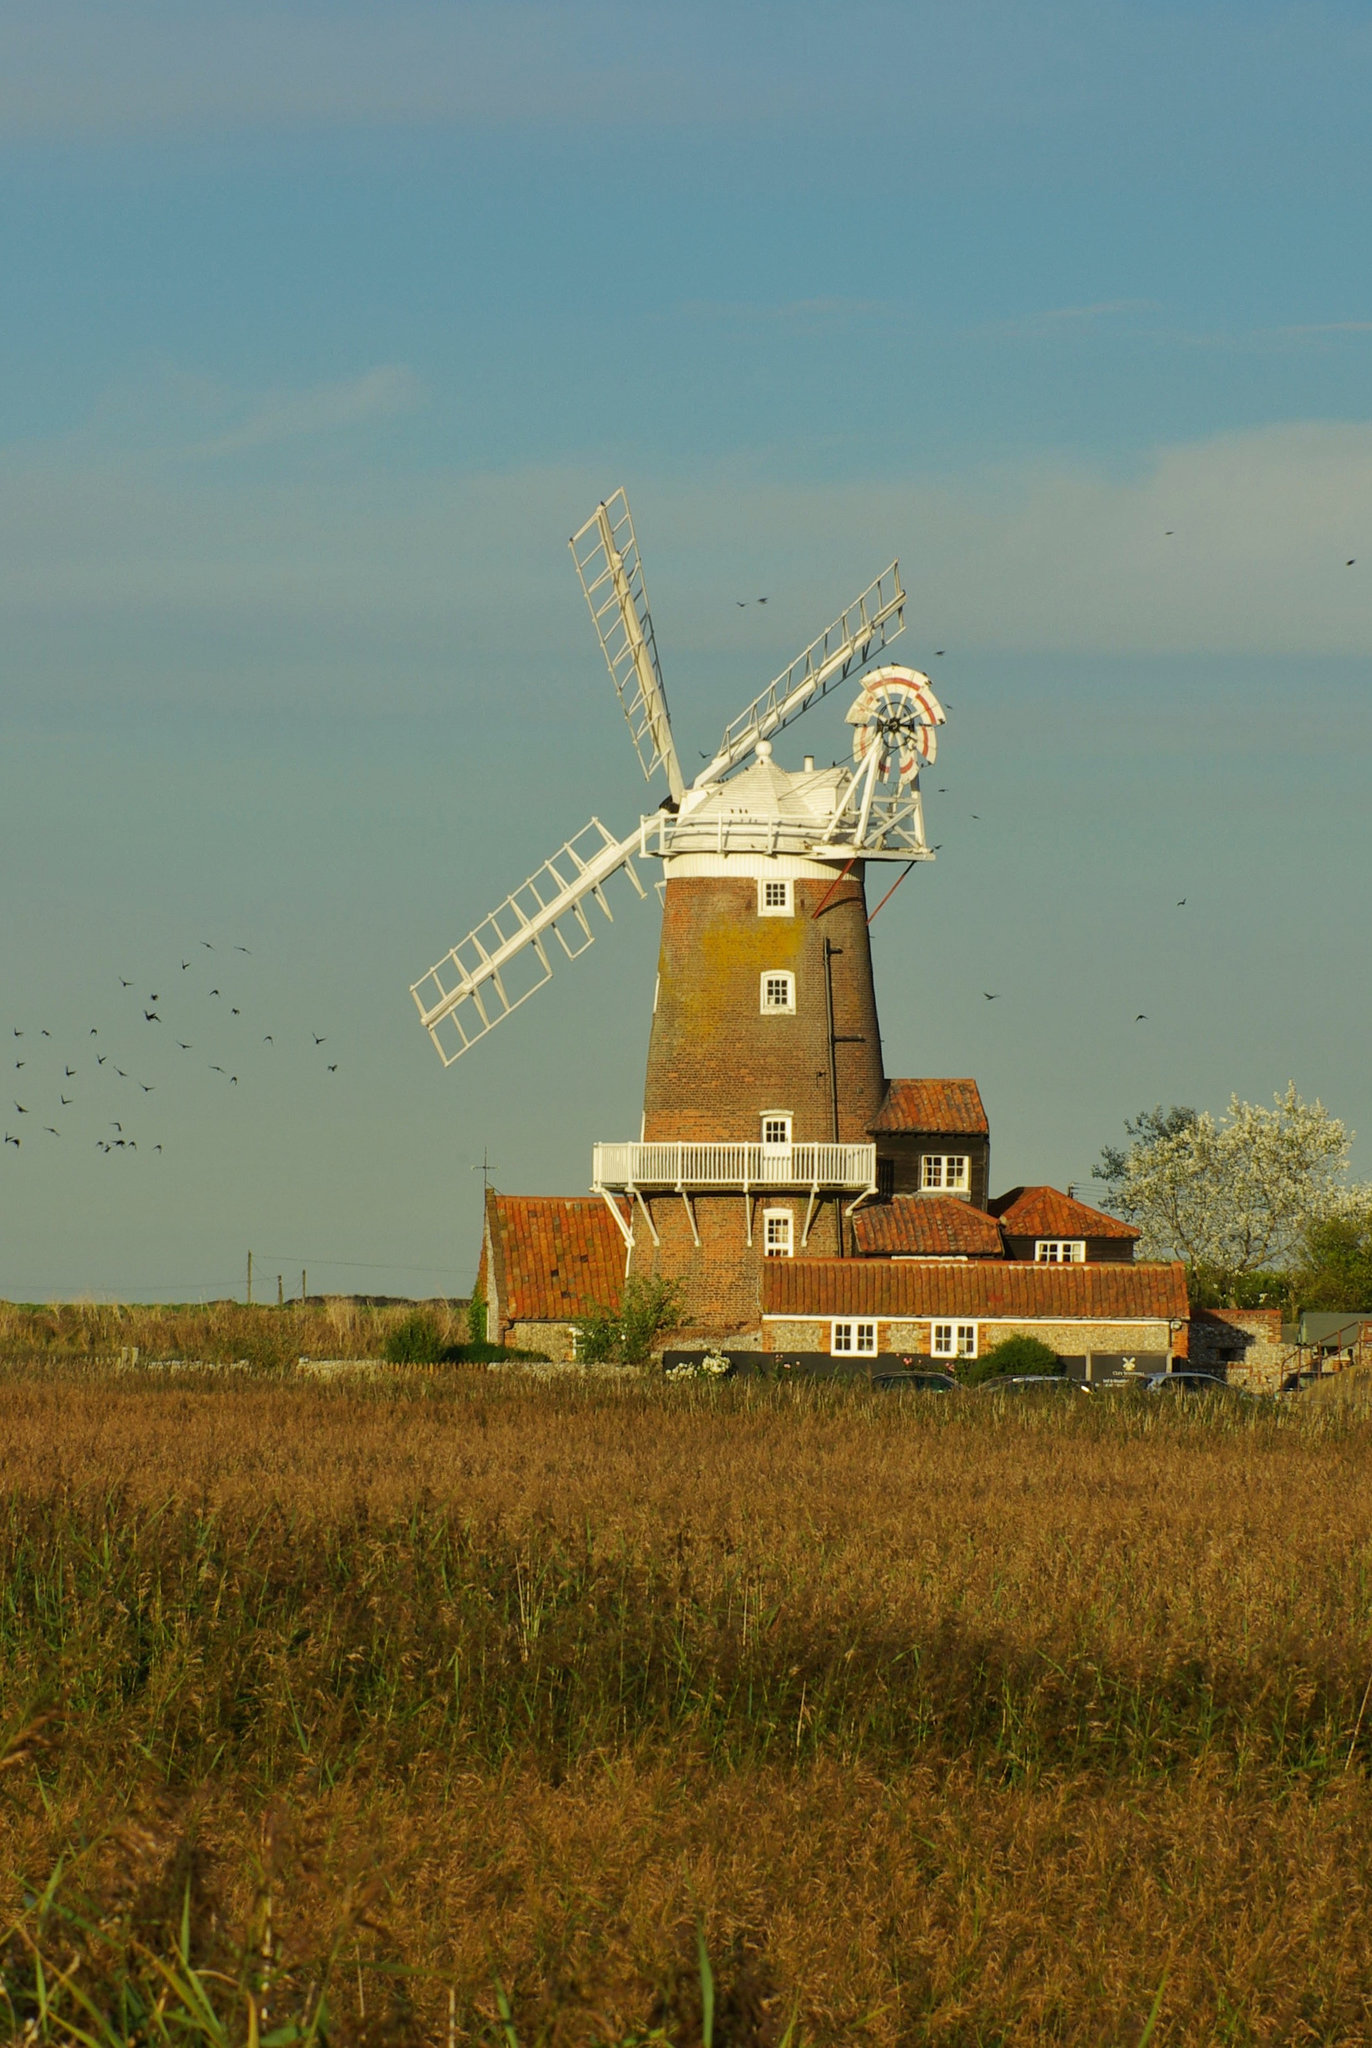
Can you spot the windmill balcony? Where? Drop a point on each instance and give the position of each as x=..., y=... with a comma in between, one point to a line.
x=688, y=1168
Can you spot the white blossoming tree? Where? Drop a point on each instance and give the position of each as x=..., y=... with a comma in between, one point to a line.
x=1234, y=1194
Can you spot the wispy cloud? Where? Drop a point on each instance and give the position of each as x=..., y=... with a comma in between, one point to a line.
x=382, y=393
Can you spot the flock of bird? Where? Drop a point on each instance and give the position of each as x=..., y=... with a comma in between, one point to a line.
x=95, y=1074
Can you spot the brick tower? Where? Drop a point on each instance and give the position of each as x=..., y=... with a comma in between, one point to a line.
x=764, y=1058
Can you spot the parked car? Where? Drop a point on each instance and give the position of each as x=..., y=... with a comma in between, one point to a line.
x=1176, y=1383
x=1034, y=1383
x=917, y=1382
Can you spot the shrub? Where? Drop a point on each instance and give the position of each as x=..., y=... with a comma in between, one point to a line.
x=476, y=1319
x=648, y=1310
x=1013, y=1357
x=415, y=1342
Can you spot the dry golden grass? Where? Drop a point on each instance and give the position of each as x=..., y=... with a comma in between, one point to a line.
x=220, y=1333
x=950, y=1723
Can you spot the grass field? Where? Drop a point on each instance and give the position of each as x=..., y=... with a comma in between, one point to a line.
x=954, y=1722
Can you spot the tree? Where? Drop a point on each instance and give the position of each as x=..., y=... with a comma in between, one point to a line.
x=1335, y=1271
x=1233, y=1195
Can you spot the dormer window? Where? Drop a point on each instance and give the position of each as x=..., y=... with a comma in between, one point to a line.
x=775, y=897
x=1060, y=1251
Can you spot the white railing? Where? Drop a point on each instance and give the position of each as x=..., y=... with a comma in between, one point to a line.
x=733, y=1166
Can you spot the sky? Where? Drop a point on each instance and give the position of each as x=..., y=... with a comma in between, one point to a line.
x=325, y=324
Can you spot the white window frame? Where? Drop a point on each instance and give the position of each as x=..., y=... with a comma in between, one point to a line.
x=1060, y=1251
x=780, y=976
x=785, y=1248
x=777, y=1147
x=954, y=1339
x=853, y=1337
x=946, y=1172
x=786, y=907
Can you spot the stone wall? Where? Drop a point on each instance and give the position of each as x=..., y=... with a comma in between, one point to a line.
x=1069, y=1340
x=1244, y=1345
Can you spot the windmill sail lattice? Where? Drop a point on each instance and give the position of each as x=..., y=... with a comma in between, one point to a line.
x=858, y=633
x=610, y=569
x=504, y=961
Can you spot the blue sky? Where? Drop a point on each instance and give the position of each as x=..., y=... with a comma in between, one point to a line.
x=324, y=326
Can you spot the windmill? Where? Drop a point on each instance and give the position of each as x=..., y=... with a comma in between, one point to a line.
x=841, y=817
x=764, y=1075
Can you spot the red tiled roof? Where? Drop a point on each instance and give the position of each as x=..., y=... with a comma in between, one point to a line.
x=1044, y=1212
x=942, y=1107
x=984, y=1287
x=928, y=1226
x=556, y=1256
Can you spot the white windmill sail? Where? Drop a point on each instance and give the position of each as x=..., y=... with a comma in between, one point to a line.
x=858, y=633
x=504, y=960
x=610, y=569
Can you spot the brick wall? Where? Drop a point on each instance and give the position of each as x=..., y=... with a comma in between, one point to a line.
x=720, y=1278
x=715, y=1061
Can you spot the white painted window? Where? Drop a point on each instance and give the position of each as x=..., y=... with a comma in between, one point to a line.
x=955, y=1340
x=776, y=1134
x=853, y=1340
x=778, y=995
x=945, y=1170
x=775, y=898
x=778, y=1232
x=1060, y=1251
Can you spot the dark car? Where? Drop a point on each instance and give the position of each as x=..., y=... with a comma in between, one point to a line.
x=1193, y=1383
x=917, y=1382
x=1034, y=1383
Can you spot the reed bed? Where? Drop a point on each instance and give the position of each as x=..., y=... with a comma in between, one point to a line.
x=215, y=1333
x=957, y=1722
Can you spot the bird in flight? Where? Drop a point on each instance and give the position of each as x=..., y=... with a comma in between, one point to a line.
x=760, y=600
x=1349, y=565
x=334, y=1068
x=242, y=949
x=66, y=1100
x=17, y=1032
x=18, y=1064
x=977, y=816
x=123, y=983
x=206, y=944
x=991, y=998
x=115, y=1126
x=216, y=1070
x=317, y=1039
x=184, y=965
x=938, y=651
x=742, y=603
x=269, y=1040
x=49, y=1127
x=122, y=1075
x=1181, y=903
x=184, y=1047
x=151, y=1017
x=214, y=991
x=233, y=1080
x=21, y=1109
x=157, y=1148
x=12, y=1141
x=1142, y=1018
x=146, y=1087
x=235, y=1013
x=100, y=1058
x=71, y=1072
x=45, y=1034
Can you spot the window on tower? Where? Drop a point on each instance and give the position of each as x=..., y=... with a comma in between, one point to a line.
x=775, y=898
x=945, y=1170
x=778, y=1229
x=778, y=994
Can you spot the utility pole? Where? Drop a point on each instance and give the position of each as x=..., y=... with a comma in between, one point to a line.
x=249, y=1279
x=303, y=1289
x=280, y=1295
